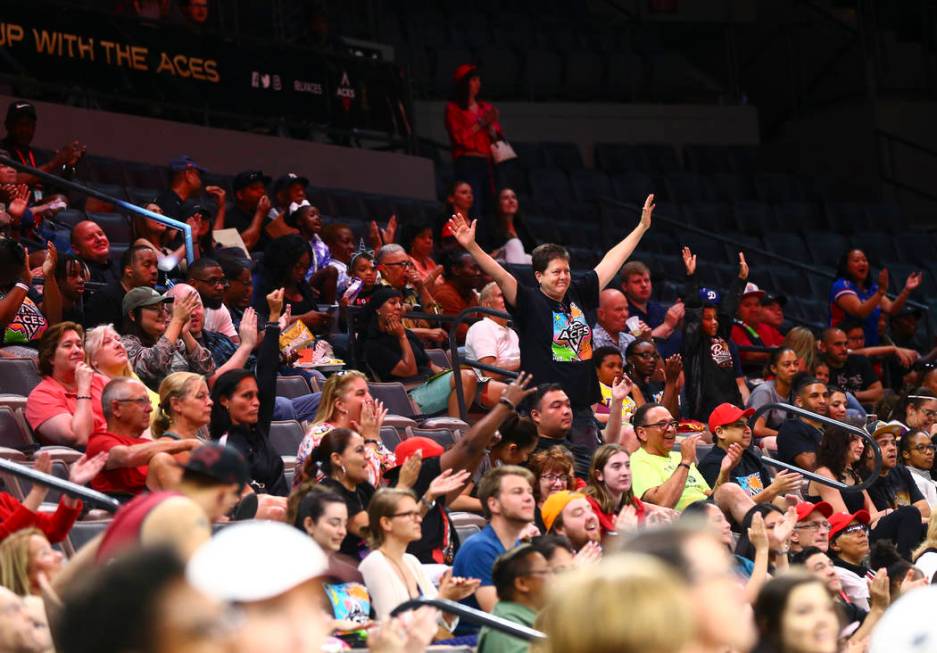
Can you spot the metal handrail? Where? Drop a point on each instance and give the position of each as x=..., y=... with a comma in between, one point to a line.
x=457, y=362
x=829, y=421
x=73, y=489
x=133, y=208
x=475, y=616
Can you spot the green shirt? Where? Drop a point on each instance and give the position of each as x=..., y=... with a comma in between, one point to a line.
x=493, y=641
x=649, y=471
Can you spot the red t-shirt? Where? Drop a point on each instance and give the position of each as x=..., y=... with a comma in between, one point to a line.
x=50, y=398
x=770, y=336
x=124, y=531
x=122, y=480
x=460, y=123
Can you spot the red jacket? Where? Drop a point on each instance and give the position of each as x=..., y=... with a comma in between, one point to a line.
x=607, y=521
x=459, y=124
x=14, y=516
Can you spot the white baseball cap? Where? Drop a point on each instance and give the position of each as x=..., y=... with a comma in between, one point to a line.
x=255, y=560
x=752, y=289
x=908, y=625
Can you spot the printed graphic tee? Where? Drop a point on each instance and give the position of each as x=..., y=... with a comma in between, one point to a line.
x=556, y=339
x=720, y=369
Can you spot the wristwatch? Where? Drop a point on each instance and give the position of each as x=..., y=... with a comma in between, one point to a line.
x=429, y=504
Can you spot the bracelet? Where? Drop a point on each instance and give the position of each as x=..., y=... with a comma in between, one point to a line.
x=23, y=286
x=83, y=397
x=507, y=402
x=687, y=465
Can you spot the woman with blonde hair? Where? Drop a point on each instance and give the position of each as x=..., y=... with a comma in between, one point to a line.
x=184, y=407
x=659, y=614
x=804, y=344
x=104, y=351
x=27, y=561
x=392, y=575
x=346, y=403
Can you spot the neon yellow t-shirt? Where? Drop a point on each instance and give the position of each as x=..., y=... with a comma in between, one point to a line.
x=649, y=471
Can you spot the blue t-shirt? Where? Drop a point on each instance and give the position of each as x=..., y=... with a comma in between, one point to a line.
x=475, y=559
x=842, y=287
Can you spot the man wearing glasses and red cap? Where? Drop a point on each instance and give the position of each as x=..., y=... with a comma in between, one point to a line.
x=733, y=436
x=849, y=549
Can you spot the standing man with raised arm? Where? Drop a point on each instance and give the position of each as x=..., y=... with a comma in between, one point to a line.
x=555, y=338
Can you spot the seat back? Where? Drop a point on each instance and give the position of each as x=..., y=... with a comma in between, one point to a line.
x=285, y=436
x=440, y=357
x=391, y=437
x=292, y=387
x=443, y=437
x=18, y=376
x=12, y=434
x=395, y=397
x=85, y=531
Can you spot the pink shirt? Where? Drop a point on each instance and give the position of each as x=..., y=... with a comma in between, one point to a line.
x=50, y=398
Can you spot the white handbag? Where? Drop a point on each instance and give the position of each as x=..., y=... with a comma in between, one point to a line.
x=502, y=151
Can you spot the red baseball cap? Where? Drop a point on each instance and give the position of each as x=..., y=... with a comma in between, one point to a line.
x=726, y=414
x=841, y=520
x=463, y=71
x=805, y=509
x=429, y=449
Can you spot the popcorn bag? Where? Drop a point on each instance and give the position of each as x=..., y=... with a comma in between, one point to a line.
x=295, y=338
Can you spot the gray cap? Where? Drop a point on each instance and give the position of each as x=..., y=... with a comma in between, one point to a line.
x=142, y=296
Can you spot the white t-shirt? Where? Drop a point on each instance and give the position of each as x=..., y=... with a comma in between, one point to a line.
x=219, y=320
x=488, y=338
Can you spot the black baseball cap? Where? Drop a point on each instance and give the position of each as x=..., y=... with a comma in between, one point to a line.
x=289, y=179
x=20, y=109
x=190, y=208
x=773, y=298
x=245, y=178
x=224, y=464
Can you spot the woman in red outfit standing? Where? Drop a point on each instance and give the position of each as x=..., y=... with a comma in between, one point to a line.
x=473, y=126
x=16, y=516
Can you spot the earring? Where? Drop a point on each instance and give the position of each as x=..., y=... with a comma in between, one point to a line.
x=342, y=467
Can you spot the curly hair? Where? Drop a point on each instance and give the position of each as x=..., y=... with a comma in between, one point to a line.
x=833, y=449
x=556, y=458
x=281, y=255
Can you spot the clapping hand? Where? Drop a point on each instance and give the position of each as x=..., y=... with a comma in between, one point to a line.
x=410, y=632
x=913, y=281
x=516, y=391
x=627, y=519
x=589, y=553
x=673, y=366
x=410, y=470
x=758, y=532
x=689, y=261
x=48, y=265
x=456, y=588
x=743, y=267
x=621, y=388
x=647, y=211
x=447, y=482
x=371, y=420
x=732, y=458
x=84, y=469
x=463, y=231
x=247, y=330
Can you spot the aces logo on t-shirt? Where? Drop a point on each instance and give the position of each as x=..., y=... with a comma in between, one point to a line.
x=719, y=350
x=572, y=337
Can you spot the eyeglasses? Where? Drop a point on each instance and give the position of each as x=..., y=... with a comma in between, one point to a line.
x=855, y=528
x=814, y=526
x=930, y=414
x=406, y=264
x=646, y=354
x=410, y=514
x=924, y=447
x=139, y=401
x=215, y=281
x=553, y=478
x=663, y=425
